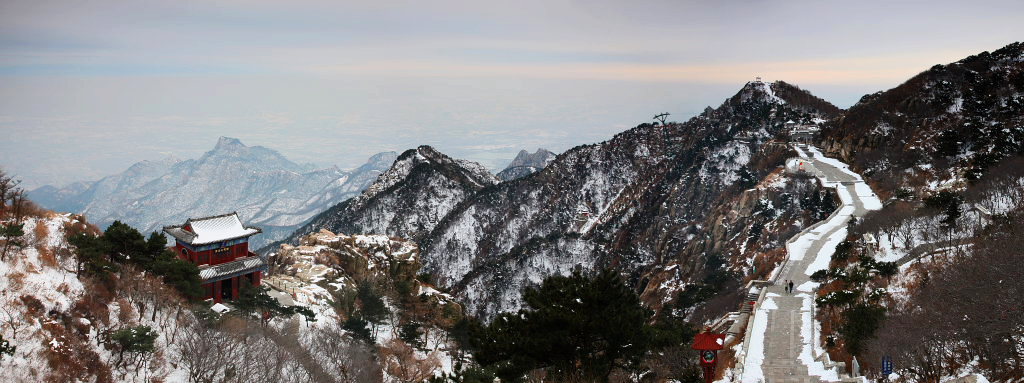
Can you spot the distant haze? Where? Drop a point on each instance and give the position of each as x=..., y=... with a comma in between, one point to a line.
x=87, y=88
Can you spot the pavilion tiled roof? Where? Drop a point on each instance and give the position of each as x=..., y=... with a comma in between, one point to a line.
x=240, y=266
x=708, y=341
x=206, y=230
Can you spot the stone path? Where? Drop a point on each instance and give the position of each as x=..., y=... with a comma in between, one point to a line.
x=787, y=339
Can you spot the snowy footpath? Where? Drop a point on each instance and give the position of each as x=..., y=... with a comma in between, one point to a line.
x=782, y=342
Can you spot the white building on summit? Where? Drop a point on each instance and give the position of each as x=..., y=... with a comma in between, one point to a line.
x=802, y=133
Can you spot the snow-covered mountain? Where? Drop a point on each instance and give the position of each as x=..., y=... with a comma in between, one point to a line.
x=643, y=200
x=526, y=163
x=940, y=128
x=409, y=199
x=264, y=187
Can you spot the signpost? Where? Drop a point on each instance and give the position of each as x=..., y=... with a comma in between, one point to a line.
x=708, y=344
x=886, y=366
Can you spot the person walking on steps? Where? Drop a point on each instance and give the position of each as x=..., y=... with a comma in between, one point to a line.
x=790, y=286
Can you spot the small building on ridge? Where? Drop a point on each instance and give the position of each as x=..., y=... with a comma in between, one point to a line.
x=219, y=245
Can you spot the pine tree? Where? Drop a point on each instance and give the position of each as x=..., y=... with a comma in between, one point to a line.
x=126, y=243
x=359, y=328
x=257, y=300
x=133, y=340
x=92, y=255
x=410, y=333
x=747, y=178
x=571, y=325
x=180, y=274
x=372, y=307
x=948, y=143
x=11, y=233
x=859, y=325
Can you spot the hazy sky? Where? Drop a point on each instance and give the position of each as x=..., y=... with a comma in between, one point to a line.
x=89, y=87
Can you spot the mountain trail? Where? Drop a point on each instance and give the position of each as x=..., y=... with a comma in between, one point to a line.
x=790, y=341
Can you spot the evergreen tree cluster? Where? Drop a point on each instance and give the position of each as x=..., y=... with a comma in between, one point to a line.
x=121, y=244
x=574, y=326
x=135, y=341
x=858, y=303
x=370, y=311
x=949, y=203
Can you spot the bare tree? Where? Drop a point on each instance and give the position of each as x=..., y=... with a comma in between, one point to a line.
x=352, y=360
x=7, y=186
x=11, y=320
x=970, y=307
x=399, y=359
x=206, y=353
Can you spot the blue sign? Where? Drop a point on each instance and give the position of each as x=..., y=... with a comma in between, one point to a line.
x=886, y=365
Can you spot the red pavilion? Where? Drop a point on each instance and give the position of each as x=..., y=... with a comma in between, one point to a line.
x=219, y=245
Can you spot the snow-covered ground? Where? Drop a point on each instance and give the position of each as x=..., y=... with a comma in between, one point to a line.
x=754, y=358
x=810, y=332
x=26, y=274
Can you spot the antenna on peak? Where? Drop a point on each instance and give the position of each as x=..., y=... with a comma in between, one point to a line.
x=661, y=117
x=757, y=79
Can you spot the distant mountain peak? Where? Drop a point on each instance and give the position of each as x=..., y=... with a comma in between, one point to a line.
x=233, y=150
x=228, y=143
x=266, y=188
x=389, y=157
x=526, y=163
x=540, y=158
x=467, y=171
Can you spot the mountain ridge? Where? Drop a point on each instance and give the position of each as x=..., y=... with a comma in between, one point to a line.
x=265, y=187
x=520, y=230
x=951, y=121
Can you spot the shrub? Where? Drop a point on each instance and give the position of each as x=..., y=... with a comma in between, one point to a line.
x=41, y=233
x=6, y=348
x=138, y=340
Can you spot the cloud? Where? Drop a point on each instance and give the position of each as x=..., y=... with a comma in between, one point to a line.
x=89, y=87
x=839, y=71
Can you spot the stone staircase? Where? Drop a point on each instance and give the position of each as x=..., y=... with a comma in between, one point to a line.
x=752, y=296
x=783, y=343
x=788, y=371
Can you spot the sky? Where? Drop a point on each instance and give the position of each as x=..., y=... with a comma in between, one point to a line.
x=89, y=87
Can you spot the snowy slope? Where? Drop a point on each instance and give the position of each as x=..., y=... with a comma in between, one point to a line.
x=634, y=202
x=59, y=328
x=408, y=200
x=939, y=129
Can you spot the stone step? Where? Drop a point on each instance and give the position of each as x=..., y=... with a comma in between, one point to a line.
x=792, y=379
